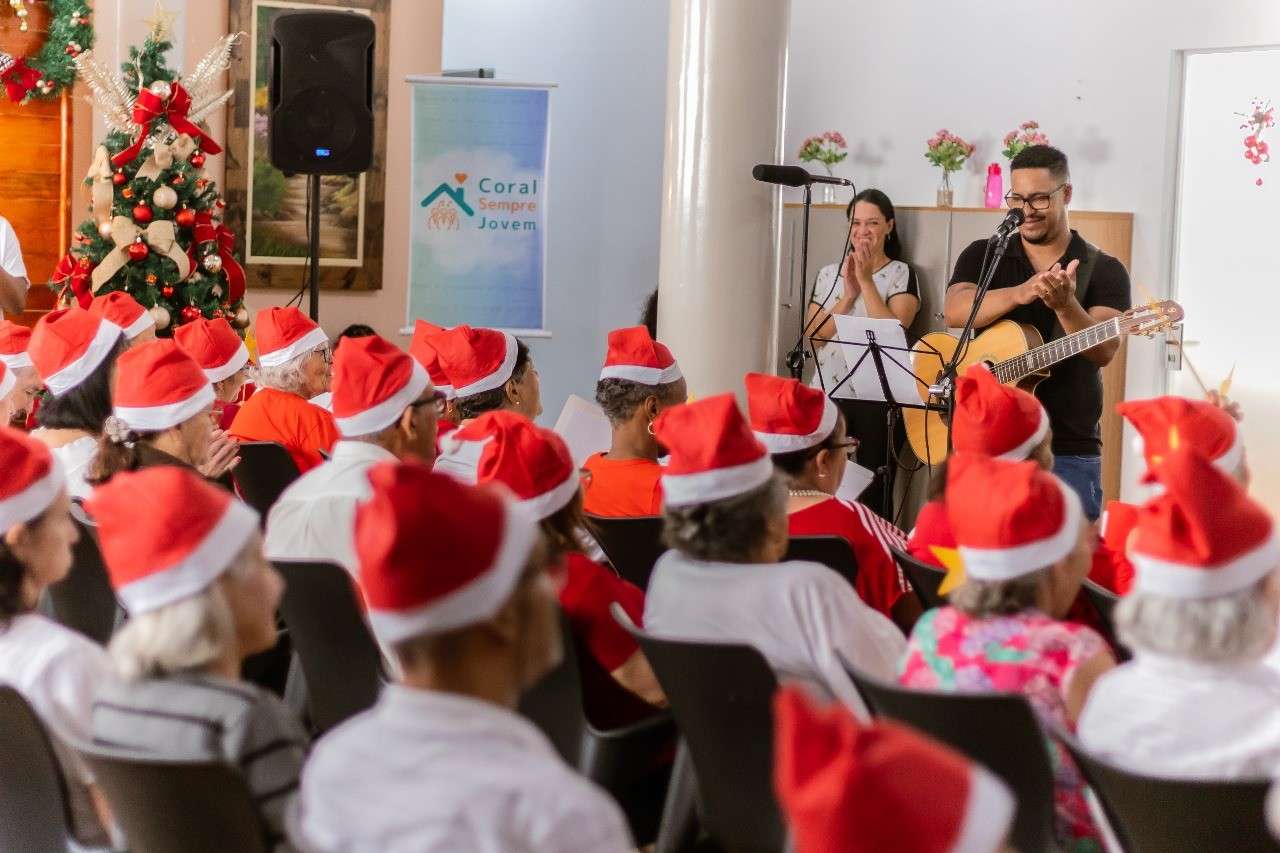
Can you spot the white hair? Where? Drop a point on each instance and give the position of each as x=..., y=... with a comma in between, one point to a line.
x=1234, y=628
x=283, y=377
x=188, y=635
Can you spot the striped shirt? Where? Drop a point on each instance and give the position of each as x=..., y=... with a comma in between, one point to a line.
x=205, y=717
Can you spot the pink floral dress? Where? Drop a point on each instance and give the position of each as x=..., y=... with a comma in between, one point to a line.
x=1027, y=653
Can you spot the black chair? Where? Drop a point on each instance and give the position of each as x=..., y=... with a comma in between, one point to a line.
x=84, y=600
x=34, y=811
x=633, y=545
x=998, y=730
x=166, y=805
x=1149, y=814
x=924, y=578
x=1104, y=602
x=340, y=659
x=266, y=469
x=722, y=699
x=834, y=552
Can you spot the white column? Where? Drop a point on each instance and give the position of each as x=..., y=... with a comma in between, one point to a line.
x=726, y=88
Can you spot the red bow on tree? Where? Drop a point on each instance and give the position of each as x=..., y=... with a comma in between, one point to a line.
x=205, y=231
x=148, y=107
x=74, y=272
x=18, y=77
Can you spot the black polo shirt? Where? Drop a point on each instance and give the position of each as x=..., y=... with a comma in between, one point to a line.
x=1072, y=395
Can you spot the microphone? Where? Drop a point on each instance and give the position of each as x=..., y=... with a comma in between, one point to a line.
x=793, y=176
x=1011, y=221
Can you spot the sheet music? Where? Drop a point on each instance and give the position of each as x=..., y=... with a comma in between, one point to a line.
x=584, y=427
x=865, y=383
x=854, y=482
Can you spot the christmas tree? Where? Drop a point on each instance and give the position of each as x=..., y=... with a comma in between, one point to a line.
x=155, y=226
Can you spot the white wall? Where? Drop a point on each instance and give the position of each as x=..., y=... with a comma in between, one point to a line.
x=1099, y=75
x=605, y=170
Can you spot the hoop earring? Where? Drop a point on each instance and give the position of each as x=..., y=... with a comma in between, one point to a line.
x=649, y=427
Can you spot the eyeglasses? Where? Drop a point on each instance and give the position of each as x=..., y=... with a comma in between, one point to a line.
x=325, y=352
x=437, y=400
x=850, y=446
x=1039, y=201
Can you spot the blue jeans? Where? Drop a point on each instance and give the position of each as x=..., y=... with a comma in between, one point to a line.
x=1084, y=475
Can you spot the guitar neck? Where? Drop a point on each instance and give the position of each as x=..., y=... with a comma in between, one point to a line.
x=1045, y=356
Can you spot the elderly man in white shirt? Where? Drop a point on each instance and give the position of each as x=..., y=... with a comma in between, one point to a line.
x=1196, y=701
x=386, y=409
x=456, y=581
x=726, y=520
x=13, y=271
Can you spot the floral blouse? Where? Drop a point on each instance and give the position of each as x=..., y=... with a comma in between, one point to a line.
x=1027, y=653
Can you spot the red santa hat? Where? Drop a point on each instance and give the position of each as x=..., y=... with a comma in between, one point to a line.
x=787, y=415
x=373, y=383
x=424, y=352
x=1009, y=518
x=1165, y=423
x=436, y=555
x=476, y=360
x=1203, y=537
x=284, y=334
x=158, y=386
x=32, y=478
x=714, y=454
x=214, y=345
x=14, y=340
x=635, y=356
x=533, y=462
x=68, y=344
x=994, y=419
x=849, y=788
x=123, y=310
x=166, y=534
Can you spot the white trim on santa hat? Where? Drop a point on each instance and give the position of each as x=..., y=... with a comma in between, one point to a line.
x=17, y=360
x=7, y=383
x=778, y=442
x=447, y=391
x=1229, y=462
x=1002, y=564
x=988, y=814
x=460, y=458
x=474, y=602
x=1022, y=451
x=199, y=568
x=1176, y=580
x=313, y=339
x=228, y=369
x=166, y=415
x=34, y=499
x=499, y=376
x=378, y=417
x=641, y=374
x=716, y=484
x=552, y=501
x=145, y=321
x=104, y=340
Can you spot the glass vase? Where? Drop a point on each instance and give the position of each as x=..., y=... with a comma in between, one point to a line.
x=828, y=195
x=945, y=194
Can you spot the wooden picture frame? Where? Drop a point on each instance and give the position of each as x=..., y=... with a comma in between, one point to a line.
x=264, y=208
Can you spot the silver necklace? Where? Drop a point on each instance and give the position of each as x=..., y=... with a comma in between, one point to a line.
x=807, y=493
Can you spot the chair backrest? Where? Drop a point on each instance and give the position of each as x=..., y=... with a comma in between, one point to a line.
x=1104, y=602
x=834, y=552
x=554, y=704
x=633, y=545
x=165, y=805
x=34, y=815
x=722, y=699
x=266, y=469
x=84, y=600
x=998, y=730
x=924, y=578
x=340, y=658
x=1150, y=814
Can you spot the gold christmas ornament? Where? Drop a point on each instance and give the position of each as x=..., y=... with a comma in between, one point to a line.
x=104, y=228
x=212, y=263
x=216, y=290
x=161, y=315
x=164, y=198
x=241, y=318
x=161, y=89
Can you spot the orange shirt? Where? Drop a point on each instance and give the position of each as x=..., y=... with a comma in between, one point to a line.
x=300, y=427
x=623, y=487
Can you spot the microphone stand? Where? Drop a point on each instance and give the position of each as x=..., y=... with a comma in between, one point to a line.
x=795, y=358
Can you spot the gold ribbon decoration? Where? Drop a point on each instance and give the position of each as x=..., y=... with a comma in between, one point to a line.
x=163, y=154
x=102, y=193
x=159, y=235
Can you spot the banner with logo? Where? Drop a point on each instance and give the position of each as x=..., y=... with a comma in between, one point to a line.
x=478, y=203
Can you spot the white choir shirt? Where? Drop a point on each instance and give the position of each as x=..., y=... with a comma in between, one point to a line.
x=314, y=519
x=459, y=459
x=1166, y=716
x=431, y=772
x=892, y=279
x=796, y=614
x=76, y=457
x=10, y=251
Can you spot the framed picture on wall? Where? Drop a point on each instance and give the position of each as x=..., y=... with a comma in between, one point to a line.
x=269, y=208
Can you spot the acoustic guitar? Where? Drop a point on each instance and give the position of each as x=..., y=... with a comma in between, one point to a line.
x=1017, y=355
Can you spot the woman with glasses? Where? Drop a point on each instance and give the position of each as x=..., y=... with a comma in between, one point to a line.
x=810, y=447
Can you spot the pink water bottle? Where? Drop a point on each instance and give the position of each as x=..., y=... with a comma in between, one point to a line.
x=995, y=186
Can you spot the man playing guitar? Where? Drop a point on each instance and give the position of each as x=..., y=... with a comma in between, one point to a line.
x=1054, y=280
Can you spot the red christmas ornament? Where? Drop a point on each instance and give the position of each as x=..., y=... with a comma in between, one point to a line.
x=217, y=313
x=219, y=204
x=127, y=192
x=201, y=183
x=178, y=180
x=141, y=214
x=117, y=177
x=138, y=251
x=185, y=217
x=151, y=278
x=167, y=291
x=190, y=313
x=197, y=160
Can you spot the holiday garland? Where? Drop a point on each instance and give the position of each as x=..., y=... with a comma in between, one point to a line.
x=53, y=68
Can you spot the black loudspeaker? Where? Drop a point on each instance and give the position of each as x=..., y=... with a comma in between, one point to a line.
x=321, y=93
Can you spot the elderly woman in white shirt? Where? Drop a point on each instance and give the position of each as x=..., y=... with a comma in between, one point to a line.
x=1196, y=701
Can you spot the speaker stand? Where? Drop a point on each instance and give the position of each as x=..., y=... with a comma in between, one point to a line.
x=313, y=241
